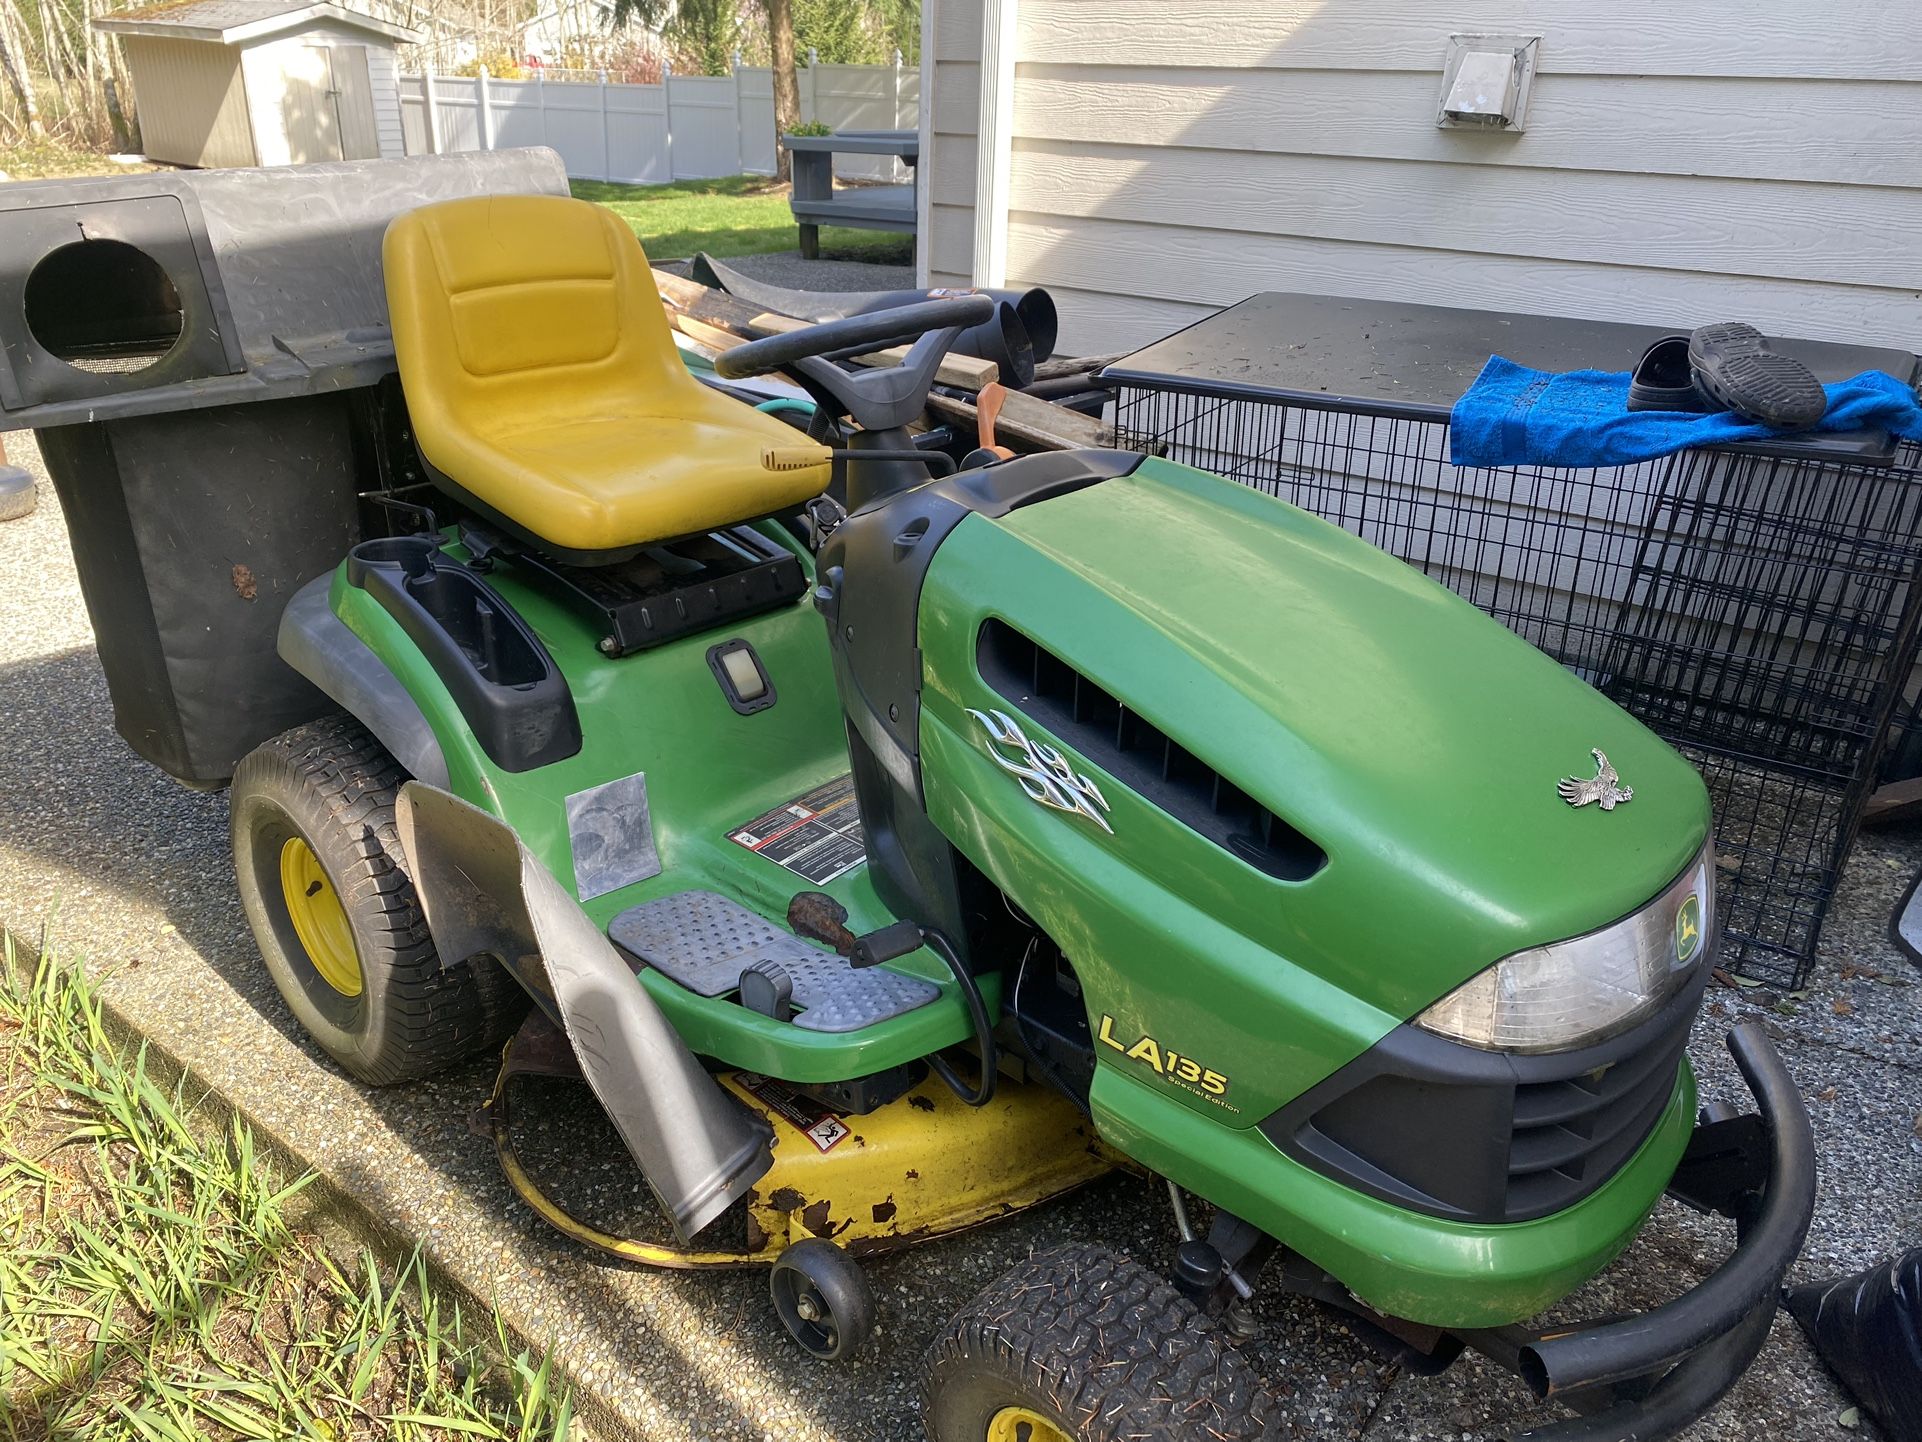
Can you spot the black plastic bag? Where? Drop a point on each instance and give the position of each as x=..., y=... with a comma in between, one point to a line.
x=1868, y=1328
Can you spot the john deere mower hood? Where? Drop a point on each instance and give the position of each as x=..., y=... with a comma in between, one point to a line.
x=1392, y=758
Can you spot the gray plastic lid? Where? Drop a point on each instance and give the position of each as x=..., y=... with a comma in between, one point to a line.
x=277, y=271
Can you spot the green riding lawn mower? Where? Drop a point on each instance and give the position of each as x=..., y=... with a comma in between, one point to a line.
x=894, y=836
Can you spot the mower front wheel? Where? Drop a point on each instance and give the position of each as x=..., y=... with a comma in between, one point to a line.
x=1078, y=1344
x=326, y=889
x=822, y=1297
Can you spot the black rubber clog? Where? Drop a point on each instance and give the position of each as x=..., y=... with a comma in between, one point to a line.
x=1664, y=381
x=1735, y=367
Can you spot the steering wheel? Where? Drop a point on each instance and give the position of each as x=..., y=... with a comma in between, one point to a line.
x=879, y=398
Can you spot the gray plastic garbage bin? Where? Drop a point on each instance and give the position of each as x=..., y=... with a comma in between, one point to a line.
x=198, y=351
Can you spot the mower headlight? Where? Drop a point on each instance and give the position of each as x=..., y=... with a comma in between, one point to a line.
x=1570, y=993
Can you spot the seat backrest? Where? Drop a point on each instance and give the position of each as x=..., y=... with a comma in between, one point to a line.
x=514, y=311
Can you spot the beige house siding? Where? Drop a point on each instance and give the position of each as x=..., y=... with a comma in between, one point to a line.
x=954, y=88
x=1167, y=160
x=192, y=101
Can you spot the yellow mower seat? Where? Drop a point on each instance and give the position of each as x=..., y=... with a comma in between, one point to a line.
x=542, y=381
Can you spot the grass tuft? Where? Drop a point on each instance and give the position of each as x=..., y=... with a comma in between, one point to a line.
x=156, y=1283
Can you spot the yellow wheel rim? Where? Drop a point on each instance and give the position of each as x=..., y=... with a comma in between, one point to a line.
x=1023, y=1424
x=320, y=921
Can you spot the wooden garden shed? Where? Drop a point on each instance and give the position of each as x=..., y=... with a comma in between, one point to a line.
x=262, y=82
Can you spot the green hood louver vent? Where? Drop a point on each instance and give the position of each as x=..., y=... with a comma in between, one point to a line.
x=1140, y=755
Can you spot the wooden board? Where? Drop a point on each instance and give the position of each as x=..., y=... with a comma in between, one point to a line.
x=1030, y=423
x=702, y=313
x=714, y=337
x=721, y=322
x=717, y=307
x=1898, y=801
x=1062, y=366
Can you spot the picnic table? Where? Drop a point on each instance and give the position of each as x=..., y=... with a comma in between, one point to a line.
x=815, y=202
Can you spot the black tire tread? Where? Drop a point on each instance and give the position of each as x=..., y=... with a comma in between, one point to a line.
x=1107, y=1345
x=437, y=1015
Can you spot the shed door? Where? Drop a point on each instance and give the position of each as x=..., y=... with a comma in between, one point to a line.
x=329, y=105
x=307, y=102
x=354, y=100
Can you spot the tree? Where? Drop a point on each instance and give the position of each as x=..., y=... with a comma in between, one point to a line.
x=787, y=89
x=700, y=25
x=708, y=35
x=13, y=59
x=837, y=31
x=705, y=33
x=859, y=32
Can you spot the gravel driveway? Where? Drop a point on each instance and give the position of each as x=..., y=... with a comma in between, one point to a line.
x=130, y=870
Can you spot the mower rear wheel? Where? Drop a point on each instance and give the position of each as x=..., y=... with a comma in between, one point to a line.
x=325, y=887
x=1078, y=1344
x=823, y=1299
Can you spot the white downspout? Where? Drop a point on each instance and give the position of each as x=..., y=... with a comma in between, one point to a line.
x=924, y=159
x=994, y=137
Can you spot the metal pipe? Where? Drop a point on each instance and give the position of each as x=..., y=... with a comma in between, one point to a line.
x=1182, y=1225
x=1056, y=387
x=1690, y=1389
x=1747, y=1281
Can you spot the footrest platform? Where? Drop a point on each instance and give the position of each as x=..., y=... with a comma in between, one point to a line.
x=703, y=941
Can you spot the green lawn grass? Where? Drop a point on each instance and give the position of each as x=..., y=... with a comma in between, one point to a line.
x=737, y=215
x=55, y=160
x=159, y=1281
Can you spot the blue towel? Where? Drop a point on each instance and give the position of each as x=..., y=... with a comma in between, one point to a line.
x=1516, y=416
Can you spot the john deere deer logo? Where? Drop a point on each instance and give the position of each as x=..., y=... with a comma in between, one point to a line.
x=1688, y=928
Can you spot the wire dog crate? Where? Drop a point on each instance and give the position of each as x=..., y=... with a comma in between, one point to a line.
x=1758, y=608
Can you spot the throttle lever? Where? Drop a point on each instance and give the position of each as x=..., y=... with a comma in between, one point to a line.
x=888, y=943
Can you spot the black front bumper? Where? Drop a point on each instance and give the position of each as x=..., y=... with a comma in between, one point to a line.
x=1469, y=1135
x=1648, y=1376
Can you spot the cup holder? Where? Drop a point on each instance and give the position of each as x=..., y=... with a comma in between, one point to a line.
x=508, y=688
x=412, y=554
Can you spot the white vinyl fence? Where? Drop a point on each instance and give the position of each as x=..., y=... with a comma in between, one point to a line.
x=689, y=127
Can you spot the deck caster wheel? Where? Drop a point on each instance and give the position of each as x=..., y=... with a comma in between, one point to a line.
x=1079, y=1345
x=821, y=1296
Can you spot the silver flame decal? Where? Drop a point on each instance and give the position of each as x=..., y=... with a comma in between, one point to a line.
x=1044, y=773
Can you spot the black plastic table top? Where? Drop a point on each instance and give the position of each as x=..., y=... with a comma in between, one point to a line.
x=1391, y=358
x=904, y=144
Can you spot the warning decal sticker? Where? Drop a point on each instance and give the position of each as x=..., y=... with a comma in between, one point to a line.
x=816, y=836
x=812, y=1120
